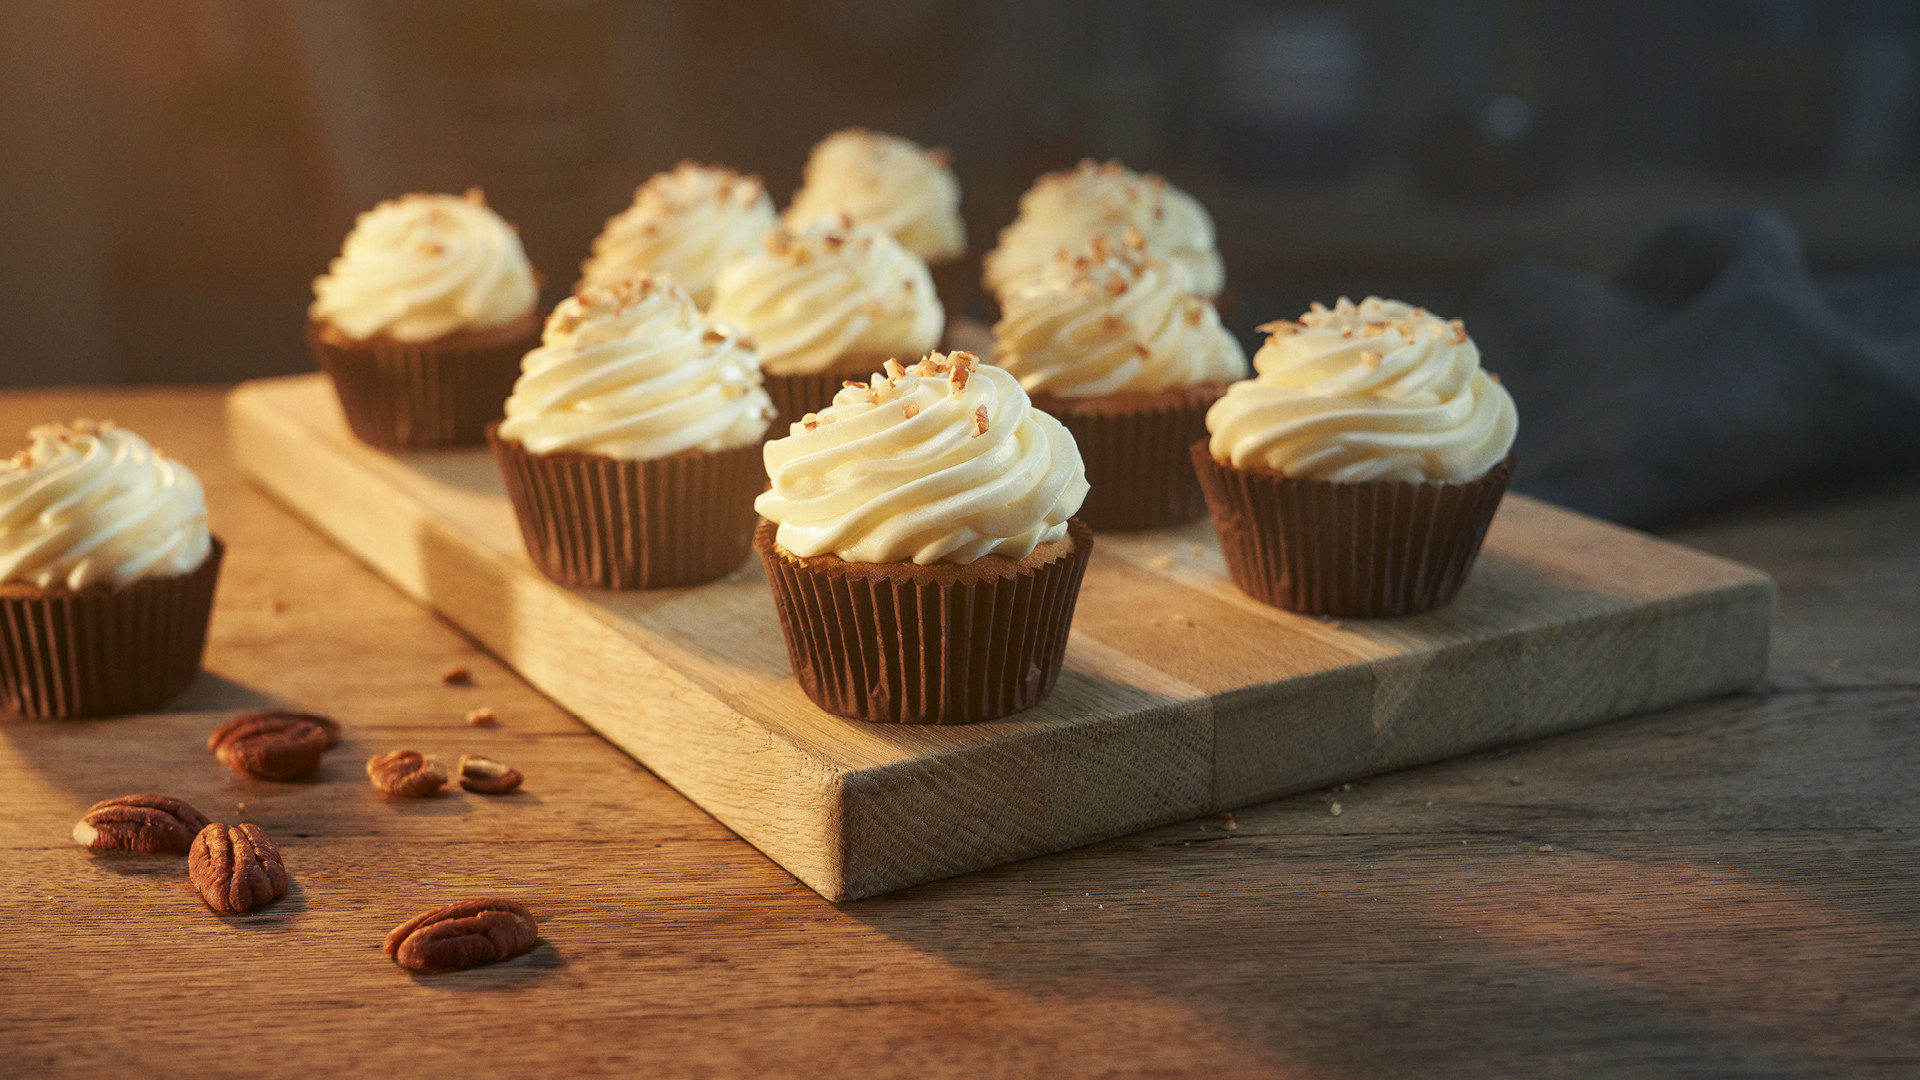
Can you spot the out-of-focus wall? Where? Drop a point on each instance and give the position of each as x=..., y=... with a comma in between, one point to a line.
x=174, y=172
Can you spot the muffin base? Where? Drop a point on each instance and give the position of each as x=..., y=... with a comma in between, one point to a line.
x=106, y=649
x=598, y=522
x=797, y=394
x=1135, y=449
x=401, y=395
x=944, y=644
x=1364, y=550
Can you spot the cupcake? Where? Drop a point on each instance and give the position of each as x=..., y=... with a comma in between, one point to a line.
x=106, y=573
x=631, y=447
x=422, y=319
x=826, y=303
x=1356, y=473
x=688, y=223
x=921, y=545
x=893, y=184
x=1064, y=211
x=1116, y=344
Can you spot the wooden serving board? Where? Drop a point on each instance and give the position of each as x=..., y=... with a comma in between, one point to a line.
x=1180, y=695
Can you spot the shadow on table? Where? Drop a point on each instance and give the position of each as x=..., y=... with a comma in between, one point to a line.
x=522, y=971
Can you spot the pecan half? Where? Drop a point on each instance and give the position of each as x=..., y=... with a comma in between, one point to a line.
x=273, y=744
x=236, y=868
x=485, y=776
x=405, y=772
x=463, y=935
x=153, y=824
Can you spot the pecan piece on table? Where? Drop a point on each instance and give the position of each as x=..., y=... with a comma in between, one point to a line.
x=463, y=935
x=151, y=824
x=273, y=744
x=236, y=868
x=485, y=776
x=405, y=772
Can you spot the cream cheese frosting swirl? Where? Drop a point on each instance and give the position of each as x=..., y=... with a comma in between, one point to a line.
x=632, y=371
x=689, y=223
x=1374, y=391
x=945, y=461
x=1111, y=320
x=420, y=267
x=830, y=291
x=94, y=503
x=1064, y=211
x=888, y=182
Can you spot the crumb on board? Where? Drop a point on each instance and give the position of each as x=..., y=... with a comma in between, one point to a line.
x=1334, y=808
x=1514, y=781
x=1546, y=847
x=482, y=717
x=1199, y=550
x=1227, y=822
x=457, y=675
x=1161, y=562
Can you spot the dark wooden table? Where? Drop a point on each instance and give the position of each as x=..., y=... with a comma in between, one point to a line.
x=1728, y=889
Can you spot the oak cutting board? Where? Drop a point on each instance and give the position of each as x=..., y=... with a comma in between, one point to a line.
x=1180, y=696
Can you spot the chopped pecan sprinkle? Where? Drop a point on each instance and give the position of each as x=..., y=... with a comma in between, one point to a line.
x=1141, y=350
x=909, y=411
x=961, y=373
x=712, y=337
x=149, y=824
x=979, y=421
x=236, y=868
x=463, y=935
x=405, y=773
x=1194, y=314
x=485, y=776
x=894, y=370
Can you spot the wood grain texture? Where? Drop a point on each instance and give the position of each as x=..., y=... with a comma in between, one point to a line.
x=1180, y=694
x=1729, y=894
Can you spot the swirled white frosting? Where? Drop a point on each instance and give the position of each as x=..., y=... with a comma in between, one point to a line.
x=1064, y=211
x=632, y=371
x=420, y=267
x=945, y=461
x=689, y=223
x=1371, y=391
x=93, y=503
x=888, y=182
x=1111, y=320
x=829, y=291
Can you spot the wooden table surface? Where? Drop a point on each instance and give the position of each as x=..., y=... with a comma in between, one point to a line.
x=1727, y=889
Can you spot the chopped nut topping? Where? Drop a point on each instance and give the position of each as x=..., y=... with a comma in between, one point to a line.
x=979, y=421
x=894, y=370
x=1142, y=350
x=909, y=410
x=713, y=337
x=1194, y=314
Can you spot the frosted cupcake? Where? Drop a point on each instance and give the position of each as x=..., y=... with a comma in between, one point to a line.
x=893, y=184
x=631, y=447
x=688, y=223
x=1065, y=211
x=1357, y=472
x=422, y=319
x=921, y=545
x=106, y=573
x=826, y=303
x=1117, y=345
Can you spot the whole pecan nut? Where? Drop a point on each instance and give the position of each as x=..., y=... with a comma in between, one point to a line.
x=485, y=776
x=236, y=868
x=273, y=744
x=153, y=824
x=463, y=935
x=405, y=772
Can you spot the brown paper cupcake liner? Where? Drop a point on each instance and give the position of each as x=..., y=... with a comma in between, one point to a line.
x=1135, y=449
x=599, y=522
x=905, y=644
x=795, y=395
x=104, y=650
x=1361, y=550
x=401, y=396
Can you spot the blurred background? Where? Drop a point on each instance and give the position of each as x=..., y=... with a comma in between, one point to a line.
x=173, y=173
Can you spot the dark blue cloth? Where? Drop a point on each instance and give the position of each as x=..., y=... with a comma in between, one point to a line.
x=1711, y=367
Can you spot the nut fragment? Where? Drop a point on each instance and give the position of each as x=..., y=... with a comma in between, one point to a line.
x=458, y=675
x=151, y=824
x=485, y=776
x=236, y=868
x=274, y=744
x=463, y=935
x=405, y=772
x=481, y=717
